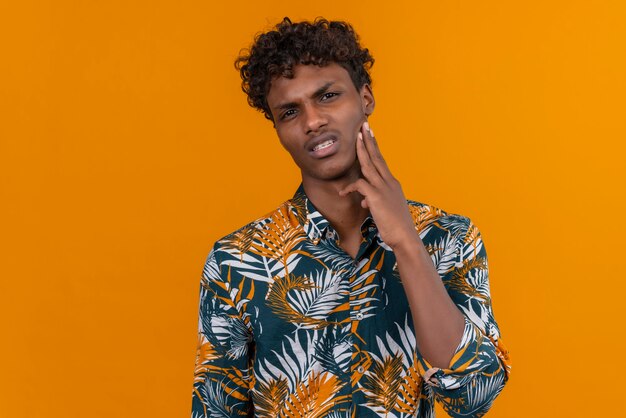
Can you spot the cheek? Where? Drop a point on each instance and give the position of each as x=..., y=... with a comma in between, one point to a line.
x=291, y=147
x=355, y=118
x=357, y=122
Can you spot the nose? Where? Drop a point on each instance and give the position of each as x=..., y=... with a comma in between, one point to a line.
x=314, y=118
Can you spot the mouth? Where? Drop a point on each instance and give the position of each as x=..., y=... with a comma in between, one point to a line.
x=323, y=146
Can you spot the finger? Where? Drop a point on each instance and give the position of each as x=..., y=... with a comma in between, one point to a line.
x=367, y=167
x=374, y=153
x=361, y=186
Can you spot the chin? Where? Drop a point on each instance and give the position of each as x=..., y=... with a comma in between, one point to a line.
x=350, y=171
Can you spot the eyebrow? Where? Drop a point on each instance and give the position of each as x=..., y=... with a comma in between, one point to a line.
x=316, y=93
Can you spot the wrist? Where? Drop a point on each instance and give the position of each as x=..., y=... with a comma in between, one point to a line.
x=409, y=242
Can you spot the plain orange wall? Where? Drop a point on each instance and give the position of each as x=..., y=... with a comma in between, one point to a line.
x=127, y=148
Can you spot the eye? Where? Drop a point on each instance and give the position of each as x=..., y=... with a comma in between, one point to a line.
x=329, y=95
x=288, y=113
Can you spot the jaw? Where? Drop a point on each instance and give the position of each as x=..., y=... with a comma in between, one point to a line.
x=333, y=172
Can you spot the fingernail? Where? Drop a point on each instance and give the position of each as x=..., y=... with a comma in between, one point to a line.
x=367, y=126
x=360, y=136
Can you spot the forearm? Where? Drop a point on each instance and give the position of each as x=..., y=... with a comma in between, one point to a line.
x=466, y=367
x=437, y=321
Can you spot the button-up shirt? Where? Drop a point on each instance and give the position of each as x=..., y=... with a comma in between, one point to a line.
x=290, y=325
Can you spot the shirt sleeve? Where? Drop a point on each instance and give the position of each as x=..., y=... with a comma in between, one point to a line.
x=223, y=369
x=480, y=365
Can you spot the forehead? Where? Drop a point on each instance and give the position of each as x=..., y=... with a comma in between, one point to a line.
x=306, y=80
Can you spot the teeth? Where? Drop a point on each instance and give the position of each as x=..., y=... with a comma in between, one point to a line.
x=324, y=145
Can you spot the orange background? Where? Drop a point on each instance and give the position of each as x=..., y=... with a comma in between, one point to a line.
x=127, y=148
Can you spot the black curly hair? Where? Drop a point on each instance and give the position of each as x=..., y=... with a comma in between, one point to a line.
x=276, y=52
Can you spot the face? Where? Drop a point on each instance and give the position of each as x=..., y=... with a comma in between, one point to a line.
x=317, y=116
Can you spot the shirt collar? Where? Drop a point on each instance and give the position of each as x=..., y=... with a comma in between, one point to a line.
x=313, y=222
x=315, y=225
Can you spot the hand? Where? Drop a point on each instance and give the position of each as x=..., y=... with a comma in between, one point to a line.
x=382, y=193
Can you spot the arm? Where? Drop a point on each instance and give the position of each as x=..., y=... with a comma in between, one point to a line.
x=438, y=323
x=469, y=383
x=453, y=323
x=222, y=373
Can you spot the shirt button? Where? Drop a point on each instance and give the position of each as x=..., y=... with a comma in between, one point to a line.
x=360, y=369
x=359, y=316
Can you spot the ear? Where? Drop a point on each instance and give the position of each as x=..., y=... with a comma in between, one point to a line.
x=367, y=99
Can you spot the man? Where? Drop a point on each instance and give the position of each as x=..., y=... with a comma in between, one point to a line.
x=305, y=311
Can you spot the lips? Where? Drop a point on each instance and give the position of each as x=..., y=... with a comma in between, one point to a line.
x=322, y=145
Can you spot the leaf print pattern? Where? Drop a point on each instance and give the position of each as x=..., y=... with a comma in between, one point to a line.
x=292, y=326
x=240, y=241
x=269, y=398
x=332, y=351
x=278, y=239
x=382, y=384
x=307, y=309
x=313, y=398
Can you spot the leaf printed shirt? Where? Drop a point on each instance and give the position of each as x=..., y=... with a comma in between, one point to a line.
x=291, y=326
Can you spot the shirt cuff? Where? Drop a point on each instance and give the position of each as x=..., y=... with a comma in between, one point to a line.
x=476, y=353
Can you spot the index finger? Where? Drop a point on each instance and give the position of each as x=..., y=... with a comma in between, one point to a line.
x=368, y=168
x=374, y=151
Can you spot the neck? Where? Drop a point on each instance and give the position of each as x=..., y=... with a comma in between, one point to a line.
x=345, y=214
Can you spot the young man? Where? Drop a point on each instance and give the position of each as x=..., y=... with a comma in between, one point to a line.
x=348, y=300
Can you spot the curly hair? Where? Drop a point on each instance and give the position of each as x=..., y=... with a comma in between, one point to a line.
x=276, y=52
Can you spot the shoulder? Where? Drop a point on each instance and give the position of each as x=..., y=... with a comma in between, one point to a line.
x=432, y=219
x=239, y=240
x=446, y=234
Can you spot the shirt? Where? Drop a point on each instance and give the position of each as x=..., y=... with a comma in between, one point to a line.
x=290, y=325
